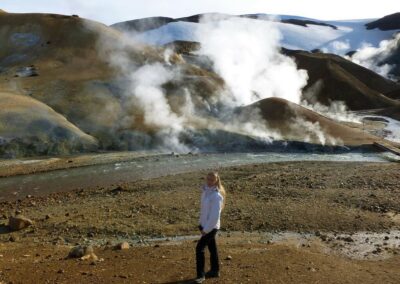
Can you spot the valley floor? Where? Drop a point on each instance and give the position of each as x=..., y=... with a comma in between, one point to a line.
x=297, y=222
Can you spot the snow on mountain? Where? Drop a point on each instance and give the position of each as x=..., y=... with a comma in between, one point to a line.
x=337, y=37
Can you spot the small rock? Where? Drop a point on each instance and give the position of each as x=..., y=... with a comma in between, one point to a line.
x=228, y=257
x=348, y=239
x=60, y=271
x=47, y=217
x=83, y=252
x=13, y=238
x=19, y=222
x=118, y=190
x=29, y=71
x=122, y=246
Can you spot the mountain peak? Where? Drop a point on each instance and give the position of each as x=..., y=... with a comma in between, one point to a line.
x=386, y=23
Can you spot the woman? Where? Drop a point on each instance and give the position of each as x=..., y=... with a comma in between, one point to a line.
x=212, y=203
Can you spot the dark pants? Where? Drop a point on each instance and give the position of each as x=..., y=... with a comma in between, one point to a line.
x=207, y=240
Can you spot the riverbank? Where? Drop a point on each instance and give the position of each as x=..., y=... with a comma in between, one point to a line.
x=335, y=200
x=136, y=166
x=14, y=167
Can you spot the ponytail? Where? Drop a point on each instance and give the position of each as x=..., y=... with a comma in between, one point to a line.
x=221, y=188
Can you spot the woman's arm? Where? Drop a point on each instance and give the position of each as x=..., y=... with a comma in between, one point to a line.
x=214, y=214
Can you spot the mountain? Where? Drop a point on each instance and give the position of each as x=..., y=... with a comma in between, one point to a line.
x=69, y=84
x=333, y=78
x=146, y=24
x=389, y=22
x=337, y=37
x=345, y=37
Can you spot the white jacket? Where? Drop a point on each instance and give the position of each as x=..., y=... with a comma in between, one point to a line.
x=211, y=207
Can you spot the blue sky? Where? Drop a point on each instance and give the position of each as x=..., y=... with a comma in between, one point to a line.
x=111, y=11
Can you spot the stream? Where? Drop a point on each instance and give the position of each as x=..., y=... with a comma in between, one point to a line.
x=18, y=187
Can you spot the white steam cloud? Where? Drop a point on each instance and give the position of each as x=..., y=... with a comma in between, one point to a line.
x=246, y=54
x=372, y=57
x=337, y=47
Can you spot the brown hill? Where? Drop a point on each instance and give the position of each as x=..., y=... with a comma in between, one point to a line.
x=28, y=126
x=142, y=25
x=333, y=78
x=294, y=122
x=57, y=60
x=394, y=94
x=393, y=112
x=389, y=22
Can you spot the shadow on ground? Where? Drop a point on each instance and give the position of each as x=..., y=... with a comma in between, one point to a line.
x=4, y=229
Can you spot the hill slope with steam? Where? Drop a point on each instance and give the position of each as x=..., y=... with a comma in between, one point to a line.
x=92, y=87
x=298, y=123
x=29, y=127
x=56, y=60
x=330, y=78
x=362, y=39
x=333, y=78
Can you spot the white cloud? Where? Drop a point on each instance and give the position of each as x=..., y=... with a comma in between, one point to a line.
x=338, y=47
x=120, y=10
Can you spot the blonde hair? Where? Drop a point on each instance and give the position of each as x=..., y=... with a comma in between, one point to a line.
x=221, y=188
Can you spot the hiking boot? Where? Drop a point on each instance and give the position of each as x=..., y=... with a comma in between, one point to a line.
x=199, y=280
x=212, y=274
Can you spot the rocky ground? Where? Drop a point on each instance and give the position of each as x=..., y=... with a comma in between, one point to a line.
x=299, y=222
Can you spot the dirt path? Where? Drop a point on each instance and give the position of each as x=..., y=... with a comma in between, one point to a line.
x=249, y=263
